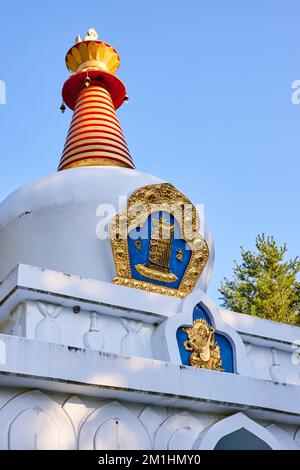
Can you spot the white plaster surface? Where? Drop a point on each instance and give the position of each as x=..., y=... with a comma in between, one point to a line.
x=36, y=419
x=133, y=322
x=30, y=363
x=86, y=364
x=52, y=222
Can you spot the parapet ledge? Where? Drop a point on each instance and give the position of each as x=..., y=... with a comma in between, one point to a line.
x=27, y=282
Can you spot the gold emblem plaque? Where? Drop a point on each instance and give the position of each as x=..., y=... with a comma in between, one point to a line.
x=142, y=203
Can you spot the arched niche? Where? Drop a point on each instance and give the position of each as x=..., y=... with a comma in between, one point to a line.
x=32, y=420
x=168, y=338
x=225, y=344
x=113, y=427
x=33, y=429
x=236, y=432
x=242, y=439
x=177, y=432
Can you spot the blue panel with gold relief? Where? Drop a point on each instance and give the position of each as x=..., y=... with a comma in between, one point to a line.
x=161, y=260
x=156, y=242
x=192, y=341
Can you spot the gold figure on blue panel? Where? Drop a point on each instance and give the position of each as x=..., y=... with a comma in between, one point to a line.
x=160, y=245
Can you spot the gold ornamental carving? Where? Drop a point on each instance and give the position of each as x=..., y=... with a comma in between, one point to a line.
x=141, y=204
x=159, y=253
x=205, y=351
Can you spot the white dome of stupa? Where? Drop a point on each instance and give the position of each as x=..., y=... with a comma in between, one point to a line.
x=52, y=223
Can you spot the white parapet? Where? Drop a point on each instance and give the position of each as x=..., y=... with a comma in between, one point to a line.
x=84, y=359
x=66, y=309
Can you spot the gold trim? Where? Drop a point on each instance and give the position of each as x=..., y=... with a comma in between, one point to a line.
x=94, y=96
x=147, y=286
x=93, y=90
x=95, y=100
x=96, y=105
x=92, y=55
x=91, y=126
x=91, y=65
x=97, y=154
x=95, y=110
x=169, y=199
x=154, y=273
x=95, y=162
x=96, y=140
x=94, y=131
x=69, y=153
x=90, y=119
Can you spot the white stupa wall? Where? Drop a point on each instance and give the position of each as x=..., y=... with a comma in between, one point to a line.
x=88, y=364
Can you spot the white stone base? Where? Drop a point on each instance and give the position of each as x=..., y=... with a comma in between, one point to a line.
x=85, y=364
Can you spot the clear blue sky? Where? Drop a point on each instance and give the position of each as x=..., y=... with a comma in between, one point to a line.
x=210, y=105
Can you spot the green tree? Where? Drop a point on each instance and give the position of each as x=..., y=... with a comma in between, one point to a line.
x=264, y=284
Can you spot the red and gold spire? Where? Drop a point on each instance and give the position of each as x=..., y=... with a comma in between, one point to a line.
x=95, y=137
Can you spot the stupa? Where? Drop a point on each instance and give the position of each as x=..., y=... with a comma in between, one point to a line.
x=108, y=338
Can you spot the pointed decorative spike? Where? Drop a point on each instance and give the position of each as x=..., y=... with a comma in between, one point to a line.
x=108, y=52
x=92, y=50
x=100, y=51
x=71, y=63
x=114, y=67
x=76, y=54
x=111, y=61
x=83, y=51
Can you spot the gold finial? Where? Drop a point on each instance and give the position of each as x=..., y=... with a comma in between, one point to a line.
x=92, y=54
x=92, y=35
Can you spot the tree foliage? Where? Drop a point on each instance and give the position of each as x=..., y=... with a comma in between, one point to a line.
x=264, y=284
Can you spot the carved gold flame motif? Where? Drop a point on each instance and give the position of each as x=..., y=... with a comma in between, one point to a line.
x=205, y=350
x=162, y=235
